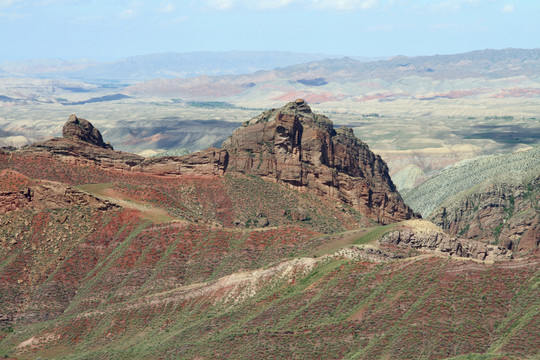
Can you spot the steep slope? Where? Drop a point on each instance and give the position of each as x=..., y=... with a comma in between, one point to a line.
x=467, y=174
x=139, y=292
x=493, y=199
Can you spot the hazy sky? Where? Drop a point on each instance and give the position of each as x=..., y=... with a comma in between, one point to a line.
x=111, y=29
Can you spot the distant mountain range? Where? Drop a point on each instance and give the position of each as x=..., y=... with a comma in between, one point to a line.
x=290, y=65
x=164, y=65
x=264, y=78
x=471, y=74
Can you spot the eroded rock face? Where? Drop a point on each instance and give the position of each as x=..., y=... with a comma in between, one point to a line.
x=442, y=243
x=211, y=161
x=83, y=130
x=506, y=214
x=297, y=147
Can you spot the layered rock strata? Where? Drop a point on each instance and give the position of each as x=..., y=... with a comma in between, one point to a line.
x=295, y=146
x=444, y=244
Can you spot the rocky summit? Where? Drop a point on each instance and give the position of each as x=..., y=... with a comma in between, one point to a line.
x=290, y=145
x=303, y=149
x=295, y=146
x=83, y=130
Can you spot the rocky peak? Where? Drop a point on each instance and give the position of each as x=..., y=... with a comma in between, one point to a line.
x=297, y=106
x=81, y=140
x=291, y=145
x=300, y=148
x=77, y=128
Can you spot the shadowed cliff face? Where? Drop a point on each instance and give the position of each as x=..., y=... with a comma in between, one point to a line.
x=295, y=146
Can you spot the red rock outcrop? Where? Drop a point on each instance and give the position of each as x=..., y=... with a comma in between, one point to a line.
x=211, y=161
x=290, y=145
x=504, y=214
x=78, y=151
x=83, y=130
x=297, y=147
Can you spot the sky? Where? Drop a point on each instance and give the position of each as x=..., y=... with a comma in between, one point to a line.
x=106, y=30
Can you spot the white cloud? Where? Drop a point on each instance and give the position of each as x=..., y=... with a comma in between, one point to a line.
x=451, y=6
x=12, y=16
x=127, y=14
x=6, y=3
x=508, y=8
x=56, y=2
x=345, y=4
x=276, y=4
x=222, y=4
x=133, y=9
x=167, y=8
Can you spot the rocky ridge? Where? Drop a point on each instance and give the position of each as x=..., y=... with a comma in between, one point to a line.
x=440, y=243
x=290, y=145
x=491, y=199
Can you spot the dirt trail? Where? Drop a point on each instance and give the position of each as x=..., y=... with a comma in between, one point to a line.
x=147, y=211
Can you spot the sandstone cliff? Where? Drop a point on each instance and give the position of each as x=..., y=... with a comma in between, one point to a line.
x=507, y=214
x=293, y=145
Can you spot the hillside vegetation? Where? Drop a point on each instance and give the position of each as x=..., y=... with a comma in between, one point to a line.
x=290, y=242
x=456, y=181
